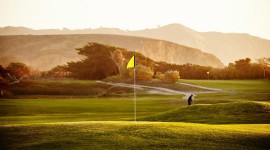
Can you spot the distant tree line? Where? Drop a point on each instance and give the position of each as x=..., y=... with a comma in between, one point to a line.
x=103, y=61
x=240, y=69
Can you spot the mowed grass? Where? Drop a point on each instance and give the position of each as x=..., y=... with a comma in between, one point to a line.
x=64, y=88
x=14, y=111
x=49, y=108
x=84, y=119
x=131, y=135
x=234, y=85
x=226, y=113
x=235, y=90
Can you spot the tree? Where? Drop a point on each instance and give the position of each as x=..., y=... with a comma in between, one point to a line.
x=102, y=61
x=231, y=71
x=12, y=75
x=97, y=63
x=18, y=70
x=119, y=59
x=265, y=64
x=3, y=81
x=243, y=67
x=59, y=72
x=3, y=72
x=256, y=71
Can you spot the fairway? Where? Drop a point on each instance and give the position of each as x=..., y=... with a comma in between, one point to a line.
x=234, y=90
x=237, y=85
x=54, y=116
x=14, y=111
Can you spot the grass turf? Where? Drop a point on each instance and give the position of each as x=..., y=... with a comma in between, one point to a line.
x=130, y=135
x=227, y=113
x=67, y=130
x=236, y=90
x=70, y=108
x=234, y=85
x=88, y=109
x=65, y=88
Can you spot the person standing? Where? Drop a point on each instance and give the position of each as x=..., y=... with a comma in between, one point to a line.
x=190, y=99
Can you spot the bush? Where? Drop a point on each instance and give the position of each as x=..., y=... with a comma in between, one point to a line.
x=143, y=73
x=159, y=75
x=113, y=78
x=171, y=76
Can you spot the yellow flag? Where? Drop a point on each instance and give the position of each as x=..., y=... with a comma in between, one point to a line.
x=131, y=63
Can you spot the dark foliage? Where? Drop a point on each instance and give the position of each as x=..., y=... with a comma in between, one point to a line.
x=99, y=64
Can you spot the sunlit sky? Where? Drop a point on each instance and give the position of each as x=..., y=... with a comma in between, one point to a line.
x=241, y=16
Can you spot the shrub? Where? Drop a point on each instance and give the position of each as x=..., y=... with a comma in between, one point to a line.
x=113, y=78
x=171, y=76
x=159, y=75
x=143, y=73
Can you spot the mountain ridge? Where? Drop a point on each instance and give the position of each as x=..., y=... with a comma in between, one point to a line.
x=228, y=47
x=47, y=51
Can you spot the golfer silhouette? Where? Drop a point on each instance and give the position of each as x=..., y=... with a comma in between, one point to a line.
x=190, y=99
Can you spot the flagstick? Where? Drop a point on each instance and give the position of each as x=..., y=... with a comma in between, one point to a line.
x=134, y=89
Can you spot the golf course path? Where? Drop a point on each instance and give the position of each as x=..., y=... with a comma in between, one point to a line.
x=165, y=91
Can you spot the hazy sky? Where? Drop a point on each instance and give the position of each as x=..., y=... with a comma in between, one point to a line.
x=248, y=16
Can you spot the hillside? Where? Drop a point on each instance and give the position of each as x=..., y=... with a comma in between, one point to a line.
x=238, y=112
x=228, y=47
x=47, y=51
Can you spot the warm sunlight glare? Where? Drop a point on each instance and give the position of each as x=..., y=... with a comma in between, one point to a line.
x=247, y=16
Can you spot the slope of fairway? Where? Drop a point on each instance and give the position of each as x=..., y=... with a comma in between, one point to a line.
x=263, y=86
x=237, y=112
x=22, y=111
x=131, y=135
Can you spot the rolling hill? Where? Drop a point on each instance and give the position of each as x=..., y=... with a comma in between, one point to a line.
x=47, y=51
x=228, y=47
x=237, y=112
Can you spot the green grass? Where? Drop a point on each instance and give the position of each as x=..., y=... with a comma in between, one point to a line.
x=130, y=135
x=236, y=85
x=236, y=90
x=231, y=97
x=65, y=88
x=76, y=115
x=14, y=111
x=227, y=113
x=61, y=108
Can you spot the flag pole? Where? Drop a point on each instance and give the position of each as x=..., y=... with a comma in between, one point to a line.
x=134, y=88
x=132, y=64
